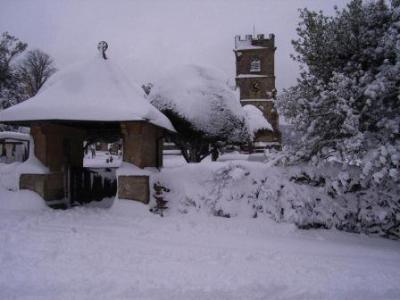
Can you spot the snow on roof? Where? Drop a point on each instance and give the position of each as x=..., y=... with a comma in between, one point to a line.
x=198, y=93
x=96, y=90
x=14, y=135
x=245, y=44
x=256, y=119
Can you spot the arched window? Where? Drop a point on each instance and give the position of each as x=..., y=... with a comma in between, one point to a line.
x=255, y=65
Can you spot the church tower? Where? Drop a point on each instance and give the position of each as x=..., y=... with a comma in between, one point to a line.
x=255, y=77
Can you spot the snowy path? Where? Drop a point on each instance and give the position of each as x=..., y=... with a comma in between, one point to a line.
x=126, y=253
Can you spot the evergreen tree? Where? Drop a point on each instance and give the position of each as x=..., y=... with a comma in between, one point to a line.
x=10, y=48
x=202, y=108
x=346, y=103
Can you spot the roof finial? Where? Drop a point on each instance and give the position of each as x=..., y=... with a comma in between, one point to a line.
x=254, y=30
x=102, y=47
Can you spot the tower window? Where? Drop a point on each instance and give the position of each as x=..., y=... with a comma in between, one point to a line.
x=255, y=65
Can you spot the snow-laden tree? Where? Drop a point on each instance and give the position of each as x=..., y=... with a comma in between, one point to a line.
x=10, y=48
x=346, y=104
x=202, y=108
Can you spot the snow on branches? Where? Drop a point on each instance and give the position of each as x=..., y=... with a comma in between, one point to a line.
x=201, y=96
x=346, y=104
x=202, y=108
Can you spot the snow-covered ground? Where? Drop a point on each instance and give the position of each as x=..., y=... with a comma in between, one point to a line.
x=102, y=160
x=126, y=252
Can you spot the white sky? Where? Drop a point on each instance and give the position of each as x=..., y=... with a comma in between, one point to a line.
x=148, y=36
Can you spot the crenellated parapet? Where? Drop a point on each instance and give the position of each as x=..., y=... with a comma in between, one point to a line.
x=250, y=41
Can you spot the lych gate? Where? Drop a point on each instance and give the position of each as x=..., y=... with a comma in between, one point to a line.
x=92, y=102
x=59, y=146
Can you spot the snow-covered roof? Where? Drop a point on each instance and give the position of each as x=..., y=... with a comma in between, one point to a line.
x=245, y=44
x=14, y=135
x=256, y=119
x=96, y=90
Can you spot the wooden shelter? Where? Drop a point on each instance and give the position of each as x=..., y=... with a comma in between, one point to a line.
x=91, y=101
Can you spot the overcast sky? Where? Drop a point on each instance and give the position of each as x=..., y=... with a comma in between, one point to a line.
x=149, y=36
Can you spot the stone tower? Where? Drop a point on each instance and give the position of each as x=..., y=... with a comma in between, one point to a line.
x=255, y=77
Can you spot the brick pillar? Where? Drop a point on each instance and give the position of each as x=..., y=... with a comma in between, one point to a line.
x=49, y=148
x=132, y=134
x=141, y=146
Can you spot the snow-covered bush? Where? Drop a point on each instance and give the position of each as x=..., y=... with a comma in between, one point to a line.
x=352, y=206
x=330, y=198
x=202, y=108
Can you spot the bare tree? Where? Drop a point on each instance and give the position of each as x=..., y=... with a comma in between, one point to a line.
x=34, y=70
